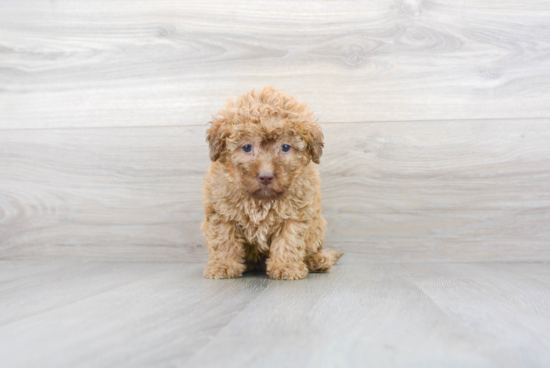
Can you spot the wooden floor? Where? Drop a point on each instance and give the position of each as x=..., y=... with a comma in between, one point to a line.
x=77, y=314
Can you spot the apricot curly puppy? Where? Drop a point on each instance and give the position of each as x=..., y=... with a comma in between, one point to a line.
x=262, y=194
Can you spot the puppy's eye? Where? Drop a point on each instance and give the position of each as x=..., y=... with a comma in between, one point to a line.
x=247, y=148
x=285, y=148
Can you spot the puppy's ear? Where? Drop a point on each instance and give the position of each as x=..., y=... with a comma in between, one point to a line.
x=315, y=142
x=215, y=136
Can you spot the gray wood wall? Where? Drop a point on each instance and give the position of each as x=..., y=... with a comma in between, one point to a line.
x=436, y=116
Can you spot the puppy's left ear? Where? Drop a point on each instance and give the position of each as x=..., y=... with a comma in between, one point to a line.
x=315, y=142
x=215, y=136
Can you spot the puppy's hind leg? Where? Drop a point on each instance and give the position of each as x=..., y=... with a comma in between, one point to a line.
x=322, y=261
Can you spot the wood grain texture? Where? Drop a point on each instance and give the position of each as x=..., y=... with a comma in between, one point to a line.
x=166, y=310
x=70, y=282
x=125, y=63
x=512, y=304
x=414, y=191
x=166, y=315
x=110, y=193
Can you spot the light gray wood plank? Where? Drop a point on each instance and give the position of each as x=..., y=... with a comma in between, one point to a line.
x=64, y=283
x=413, y=189
x=157, y=317
x=359, y=315
x=126, y=63
x=493, y=302
x=539, y=271
x=418, y=191
x=440, y=165
x=11, y=272
x=356, y=316
x=126, y=194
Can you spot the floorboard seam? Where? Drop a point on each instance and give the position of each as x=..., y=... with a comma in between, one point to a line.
x=322, y=123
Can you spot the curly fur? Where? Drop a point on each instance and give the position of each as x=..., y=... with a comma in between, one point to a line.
x=253, y=225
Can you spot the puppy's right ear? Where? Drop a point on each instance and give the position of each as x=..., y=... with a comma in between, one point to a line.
x=314, y=141
x=215, y=136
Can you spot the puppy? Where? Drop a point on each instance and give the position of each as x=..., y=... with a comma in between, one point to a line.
x=262, y=194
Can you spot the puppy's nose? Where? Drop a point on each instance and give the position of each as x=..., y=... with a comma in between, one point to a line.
x=266, y=178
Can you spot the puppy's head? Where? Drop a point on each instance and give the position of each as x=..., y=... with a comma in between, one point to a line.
x=265, y=139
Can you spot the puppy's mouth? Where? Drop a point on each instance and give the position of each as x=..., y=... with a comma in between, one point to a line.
x=266, y=193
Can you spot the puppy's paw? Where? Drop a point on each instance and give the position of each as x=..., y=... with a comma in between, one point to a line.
x=318, y=263
x=223, y=270
x=287, y=271
x=322, y=261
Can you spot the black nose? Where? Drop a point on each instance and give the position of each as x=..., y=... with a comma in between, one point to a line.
x=266, y=178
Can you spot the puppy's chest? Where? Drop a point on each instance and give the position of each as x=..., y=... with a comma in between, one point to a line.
x=258, y=225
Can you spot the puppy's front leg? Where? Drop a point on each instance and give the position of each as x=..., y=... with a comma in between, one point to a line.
x=225, y=250
x=286, y=255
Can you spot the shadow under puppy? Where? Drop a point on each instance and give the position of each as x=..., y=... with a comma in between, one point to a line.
x=262, y=194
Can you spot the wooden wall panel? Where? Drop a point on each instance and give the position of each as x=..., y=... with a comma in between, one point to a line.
x=80, y=63
x=420, y=191
x=436, y=118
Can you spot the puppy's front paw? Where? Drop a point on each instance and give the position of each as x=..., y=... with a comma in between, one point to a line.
x=223, y=270
x=287, y=271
